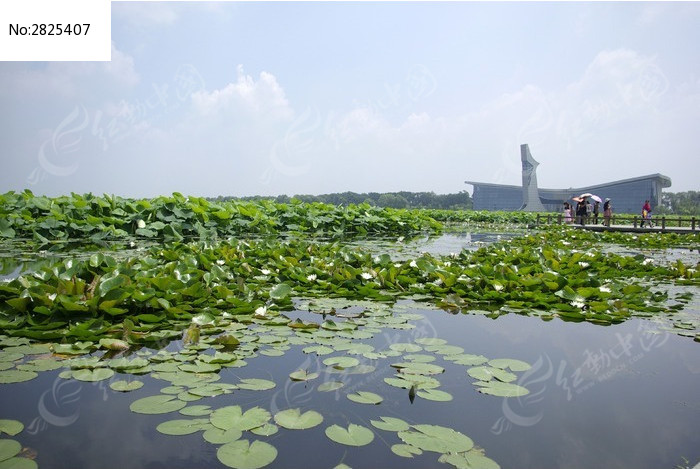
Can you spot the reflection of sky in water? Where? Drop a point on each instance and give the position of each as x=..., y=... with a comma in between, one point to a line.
x=613, y=396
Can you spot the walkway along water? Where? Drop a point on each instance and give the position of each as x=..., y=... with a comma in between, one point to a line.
x=632, y=224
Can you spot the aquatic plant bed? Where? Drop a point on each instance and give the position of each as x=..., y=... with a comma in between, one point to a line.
x=300, y=352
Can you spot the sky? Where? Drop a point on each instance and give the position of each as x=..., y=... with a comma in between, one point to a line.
x=268, y=98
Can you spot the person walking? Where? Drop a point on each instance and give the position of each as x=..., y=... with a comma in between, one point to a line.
x=567, y=213
x=646, y=214
x=607, y=212
x=589, y=210
x=581, y=212
x=596, y=211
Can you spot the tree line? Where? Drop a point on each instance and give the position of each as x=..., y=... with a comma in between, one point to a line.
x=680, y=203
x=404, y=199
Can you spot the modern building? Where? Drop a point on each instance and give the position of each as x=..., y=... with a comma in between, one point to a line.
x=627, y=195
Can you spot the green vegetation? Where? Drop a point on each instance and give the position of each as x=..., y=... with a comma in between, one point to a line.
x=680, y=203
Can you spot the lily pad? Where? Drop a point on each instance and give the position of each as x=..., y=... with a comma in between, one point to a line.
x=406, y=347
x=218, y=436
x=160, y=404
x=9, y=448
x=196, y=410
x=230, y=417
x=293, y=419
x=256, y=384
x=417, y=368
x=125, y=386
x=11, y=427
x=407, y=451
x=514, y=365
x=436, y=438
x=354, y=435
x=241, y=454
x=182, y=426
x=16, y=376
x=303, y=375
x=265, y=430
x=486, y=373
x=365, y=397
x=469, y=460
x=341, y=362
x=18, y=463
x=498, y=388
x=435, y=395
x=98, y=374
x=390, y=424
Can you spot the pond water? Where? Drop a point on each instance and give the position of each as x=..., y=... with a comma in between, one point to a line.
x=618, y=396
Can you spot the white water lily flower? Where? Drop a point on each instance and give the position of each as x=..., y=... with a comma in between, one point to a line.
x=132, y=244
x=583, y=264
x=366, y=275
x=647, y=261
x=565, y=243
x=261, y=311
x=448, y=263
x=52, y=296
x=605, y=289
x=438, y=282
x=397, y=265
x=578, y=304
x=311, y=277
x=141, y=224
x=221, y=262
x=265, y=272
x=413, y=264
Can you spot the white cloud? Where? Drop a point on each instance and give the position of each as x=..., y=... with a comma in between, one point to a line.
x=264, y=97
x=145, y=13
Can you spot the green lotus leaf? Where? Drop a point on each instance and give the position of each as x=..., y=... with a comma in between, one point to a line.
x=293, y=419
x=365, y=397
x=241, y=454
x=436, y=438
x=341, y=362
x=18, y=463
x=218, y=436
x=113, y=344
x=256, y=384
x=9, y=449
x=200, y=367
x=41, y=364
x=11, y=427
x=435, y=395
x=182, y=426
x=330, y=386
x=486, y=373
x=419, y=358
x=280, y=291
x=505, y=363
x=354, y=435
x=416, y=368
x=230, y=417
x=445, y=349
x=467, y=359
x=124, y=364
x=407, y=451
x=160, y=404
x=390, y=424
x=318, y=350
x=409, y=381
x=265, y=430
x=501, y=389
x=471, y=459
x=125, y=386
x=98, y=374
x=303, y=375
x=406, y=347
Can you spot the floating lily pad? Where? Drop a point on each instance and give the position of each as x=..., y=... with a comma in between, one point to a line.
x=406, y=347
x=486, y=373
x=9, y=448
x=419, y=358
x=436, y=438
x=514, y=365
x=113, y=344
x=293, y=419
x=230, y=417
x=40, y=364
x=390, y=424
x=16, y=376
x=241, y=454
x=409, y=381
x=365, y=397
x=200, y=367
x=354, y=435
x=182, y=426
x=98, y=374
x=11, y=427
x=18, y=463
x=125, y=386
x=318, y=350
x=218, y=436
x=330, y=386
x=161, y=404
x=498, y=388
x=407, y=451
x=303, y=375
x=256, y=384
x=341, y=362
x=435, y=395
x=469, y=460
x=467, y=359
x=417, y=368
x=265, y=430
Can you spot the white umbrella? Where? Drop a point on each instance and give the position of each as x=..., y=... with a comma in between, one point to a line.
x=592, y=196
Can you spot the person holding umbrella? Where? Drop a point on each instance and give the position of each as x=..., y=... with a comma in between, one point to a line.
x=607, y=212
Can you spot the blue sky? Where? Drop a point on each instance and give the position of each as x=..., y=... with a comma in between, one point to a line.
x=267, y=98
